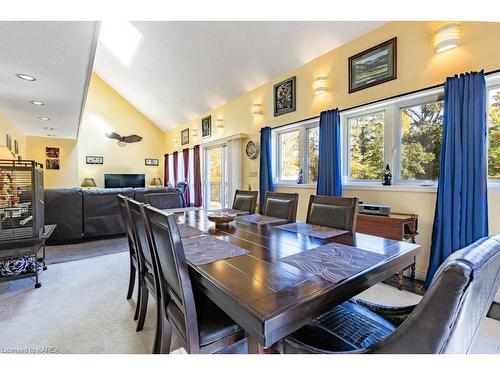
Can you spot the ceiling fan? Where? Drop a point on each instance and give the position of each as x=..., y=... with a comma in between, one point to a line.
x=123, y=140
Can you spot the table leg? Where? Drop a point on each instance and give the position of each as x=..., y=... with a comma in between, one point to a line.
x=400, y=281
x=254, y=347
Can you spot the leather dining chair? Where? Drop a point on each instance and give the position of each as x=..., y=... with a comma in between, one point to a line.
x=282, y=205
x=201, y=326
x=166, y=200
x=334, y=212
x=446, y=320
x=147, y=283
x=245, y=200
x=134, y=263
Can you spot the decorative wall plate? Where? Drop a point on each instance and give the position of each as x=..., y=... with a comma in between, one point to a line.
x=252, y=149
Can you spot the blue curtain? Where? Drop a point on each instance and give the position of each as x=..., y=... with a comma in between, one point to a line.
x=266, y=173
x=329, y=170
x=461, y=215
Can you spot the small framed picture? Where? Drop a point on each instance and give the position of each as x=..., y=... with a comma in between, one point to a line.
x=152, y=162
x=185, y=136
x=206, y=127
x=52, y=164
x=8, y=142
x=94, y=160
x=374, y=66
x=284, y=96
x=52, y=153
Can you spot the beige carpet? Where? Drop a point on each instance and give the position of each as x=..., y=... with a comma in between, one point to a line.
x=81, y=308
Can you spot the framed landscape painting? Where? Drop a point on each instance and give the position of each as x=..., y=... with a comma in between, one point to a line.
x=373, y=66
x=284, y=97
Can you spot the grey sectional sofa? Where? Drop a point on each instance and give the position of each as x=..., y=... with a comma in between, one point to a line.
x=86, y=214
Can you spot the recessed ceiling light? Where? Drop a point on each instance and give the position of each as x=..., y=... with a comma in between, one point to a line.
x=43, y=118
x=36, y=102
x=48, y=128
x=121, y=39
x=26, y=77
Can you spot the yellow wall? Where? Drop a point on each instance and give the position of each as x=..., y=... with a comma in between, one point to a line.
x=418, y=67
x=67, y=175
x=105, y=111
x=6, y=127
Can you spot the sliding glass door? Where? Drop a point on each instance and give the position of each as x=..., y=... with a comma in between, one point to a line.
x=215, y=178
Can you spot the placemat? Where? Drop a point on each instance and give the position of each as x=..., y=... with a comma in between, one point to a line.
x=229, y=211
x=334, y=262
x=208, y=249
x=261, y=219
x=317, y=231
x=187, y=231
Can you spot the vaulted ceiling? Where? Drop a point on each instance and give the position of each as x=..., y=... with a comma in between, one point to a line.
x=182, y=69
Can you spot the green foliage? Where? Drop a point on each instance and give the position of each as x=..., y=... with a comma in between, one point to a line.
x=421, y=141
x=290, y=161
x=313, y=153
x=494, y=136
x=367, y=146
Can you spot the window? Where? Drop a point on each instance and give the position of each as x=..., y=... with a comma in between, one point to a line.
x=366, y=146
x=404, y=133
x=295, y=152
x=494, y=134
x=290, y=159
x=421, y=133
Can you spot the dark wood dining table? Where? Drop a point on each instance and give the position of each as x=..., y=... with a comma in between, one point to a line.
x=269, y=298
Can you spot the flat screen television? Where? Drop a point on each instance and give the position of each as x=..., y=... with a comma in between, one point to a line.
x=124, y=180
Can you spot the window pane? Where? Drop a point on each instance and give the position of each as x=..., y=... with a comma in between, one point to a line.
x=313, y=153
x=290, y=155
x=421, y=140
x=366, y=153
x=494, y=134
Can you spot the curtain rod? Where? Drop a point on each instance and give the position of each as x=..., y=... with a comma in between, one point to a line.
x=379, y=100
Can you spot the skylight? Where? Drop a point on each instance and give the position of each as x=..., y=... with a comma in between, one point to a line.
x=121, y=39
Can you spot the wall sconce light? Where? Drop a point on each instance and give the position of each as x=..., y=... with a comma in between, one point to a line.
x=175, y=141
x=447, y=37
x=320, y=85
x=194, y=132
x=219, y=123
x=256, y=110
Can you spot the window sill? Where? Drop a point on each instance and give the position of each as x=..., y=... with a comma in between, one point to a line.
x=400, y=187
x=291, y=185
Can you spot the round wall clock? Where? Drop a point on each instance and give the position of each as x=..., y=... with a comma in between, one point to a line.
x=252, y=149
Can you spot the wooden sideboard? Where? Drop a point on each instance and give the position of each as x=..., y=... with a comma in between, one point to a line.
x=396, y=226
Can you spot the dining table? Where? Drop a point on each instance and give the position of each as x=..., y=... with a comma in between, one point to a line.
x=279, y=283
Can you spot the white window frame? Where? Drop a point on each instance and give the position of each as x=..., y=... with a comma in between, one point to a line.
x=392, y=138
x=491, y=84
x=303, y=128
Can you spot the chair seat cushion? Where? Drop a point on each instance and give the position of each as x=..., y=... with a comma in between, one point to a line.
x=213, y=323
x=346, y=327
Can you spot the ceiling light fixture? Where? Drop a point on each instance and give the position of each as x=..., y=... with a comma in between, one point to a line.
x=36, y=102
x=48, y=128
x=447, y=37
x=43, y=118
x=26, y=77
x=121, y=39
x=320, y=85
x=51, y=135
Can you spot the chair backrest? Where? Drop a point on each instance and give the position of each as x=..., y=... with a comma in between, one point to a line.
x=282, y=205
x=182, y=186
x=125, y=211
x=162, y=201
x=173, y=272
x=334, y=212
x=245, y=200
x=144, y=249
x=447, y=319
